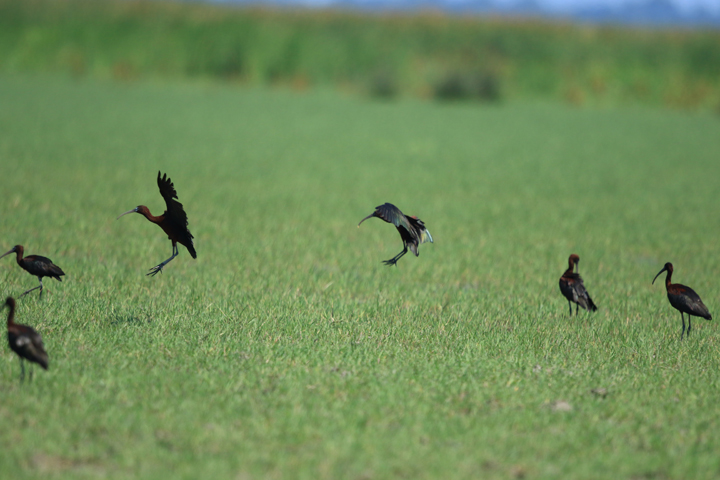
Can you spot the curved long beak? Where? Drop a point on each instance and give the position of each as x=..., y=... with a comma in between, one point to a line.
x=8, y=252
x=369, y=216
x=663, y=269
x=134, y=210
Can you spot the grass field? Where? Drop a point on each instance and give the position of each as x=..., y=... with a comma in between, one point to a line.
x=287, y=350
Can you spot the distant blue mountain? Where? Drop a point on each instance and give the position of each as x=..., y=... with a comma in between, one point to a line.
x=634, y=12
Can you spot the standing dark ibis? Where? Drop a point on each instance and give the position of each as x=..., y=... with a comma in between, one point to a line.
x=173, y=221
x=684, y=299
x=412, y=229
x=36, y=265
x=572, y=286
x=25, y=341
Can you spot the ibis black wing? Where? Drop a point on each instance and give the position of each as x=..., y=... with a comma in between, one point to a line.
x=422, y=233
x=573, y=288
x=174, y=208
x=42, y=266
x=686, y=300
x=392, y=214
x=28, y=344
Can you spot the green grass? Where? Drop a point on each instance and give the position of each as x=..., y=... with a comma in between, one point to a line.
x=288, y=350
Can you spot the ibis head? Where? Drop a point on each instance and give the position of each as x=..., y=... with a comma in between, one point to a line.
x=16, y=248
x=141, y=209
x=667, y=268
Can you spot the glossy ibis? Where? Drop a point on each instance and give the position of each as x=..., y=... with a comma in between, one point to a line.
x=173, y=221
x=412, y=229
x=684, y=299
x=571, y=285
x=36, y=265
x=25, y=341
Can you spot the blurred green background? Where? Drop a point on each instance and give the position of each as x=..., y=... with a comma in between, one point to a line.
x=426, y=55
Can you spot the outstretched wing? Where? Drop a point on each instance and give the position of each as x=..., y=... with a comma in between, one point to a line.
x=174, y=208
x=391, y=214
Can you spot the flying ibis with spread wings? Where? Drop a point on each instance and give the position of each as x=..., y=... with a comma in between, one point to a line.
x=173, y=221
x=412, y=229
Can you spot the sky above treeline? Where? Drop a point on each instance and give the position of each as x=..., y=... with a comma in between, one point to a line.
x=686, y=6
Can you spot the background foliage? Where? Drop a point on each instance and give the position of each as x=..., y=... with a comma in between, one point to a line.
x=423, y=55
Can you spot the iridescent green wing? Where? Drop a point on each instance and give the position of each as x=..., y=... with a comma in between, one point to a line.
x=425, y=236
x=391, y=214
x=421, y=233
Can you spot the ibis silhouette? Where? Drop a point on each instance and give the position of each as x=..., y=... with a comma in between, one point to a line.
x=684, y=299
x=25, y=341
x=412, y=229
x=35, y=265
x=173, y=221
x=573, y=288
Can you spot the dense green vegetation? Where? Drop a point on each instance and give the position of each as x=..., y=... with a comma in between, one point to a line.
x=288, y=350
x=421, y=55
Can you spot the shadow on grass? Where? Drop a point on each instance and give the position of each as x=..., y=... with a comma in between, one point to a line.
x=129, y=318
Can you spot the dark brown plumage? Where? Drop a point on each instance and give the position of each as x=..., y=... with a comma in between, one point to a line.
x=412, y=229
x=573, y=288
x=36, y=265
x=173, y=221
x=684, y=299
x=24, y=341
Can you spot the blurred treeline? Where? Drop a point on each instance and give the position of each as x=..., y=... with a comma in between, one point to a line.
x=386, y=55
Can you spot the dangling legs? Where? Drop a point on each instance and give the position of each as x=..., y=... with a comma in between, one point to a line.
x=393, y=261
x=683, y=330
x=158, y=268
x=33, y=289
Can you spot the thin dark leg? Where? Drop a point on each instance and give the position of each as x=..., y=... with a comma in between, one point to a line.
x=689, y=325
x=31, y=371
x=577, y=309
x=393, y=261
x=570, y=306
x=33, y=289
x=158, y=268
x=683, y=330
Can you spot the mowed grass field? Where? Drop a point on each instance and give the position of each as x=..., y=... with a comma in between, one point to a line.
x=288, y=350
